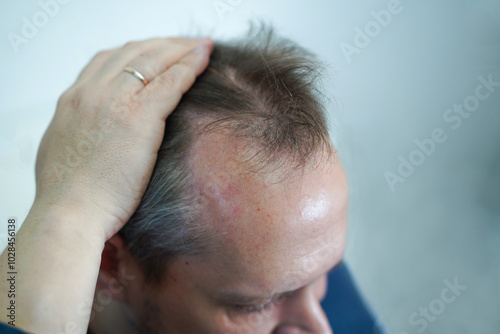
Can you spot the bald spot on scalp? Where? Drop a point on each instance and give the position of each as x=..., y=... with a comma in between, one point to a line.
x=262, y=228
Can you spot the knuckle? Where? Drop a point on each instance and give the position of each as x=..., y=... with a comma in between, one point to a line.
x=152, y=69
x=190, y=77
x=130, y=44
x=181, y=68
x=184, y=72
x=168, y=79
x=144, y=64
x=181, y=40
x=77, y=97
x=65, y=97
x=148, y=54
x=81, y=98
x=103, y=54
x=72, y=97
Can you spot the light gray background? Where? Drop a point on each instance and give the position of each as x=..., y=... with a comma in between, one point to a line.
x=442, y=223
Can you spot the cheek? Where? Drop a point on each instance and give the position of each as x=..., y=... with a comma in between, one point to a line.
x=320, y=287
x=178, y=311
x=254, y=323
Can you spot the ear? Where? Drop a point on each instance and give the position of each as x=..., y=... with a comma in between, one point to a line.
x=117, y=267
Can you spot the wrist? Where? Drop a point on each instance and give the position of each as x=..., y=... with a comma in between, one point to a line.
x=71, y=224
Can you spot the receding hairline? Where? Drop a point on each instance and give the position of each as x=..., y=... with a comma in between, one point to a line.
x=260, y=89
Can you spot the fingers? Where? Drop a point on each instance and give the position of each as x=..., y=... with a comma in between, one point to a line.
x=170, y=65
x=122, y=58
x=101, y=66
x=151, y=63
x=163, y=94
x=149, y=57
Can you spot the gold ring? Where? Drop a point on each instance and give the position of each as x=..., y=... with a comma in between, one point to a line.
x=136, y=74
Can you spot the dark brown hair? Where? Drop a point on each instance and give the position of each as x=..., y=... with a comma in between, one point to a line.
x=263, y=89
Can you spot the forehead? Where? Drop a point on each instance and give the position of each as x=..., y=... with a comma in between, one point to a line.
x=267, y=230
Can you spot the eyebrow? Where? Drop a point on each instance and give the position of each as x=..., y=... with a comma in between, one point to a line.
x=236, y=297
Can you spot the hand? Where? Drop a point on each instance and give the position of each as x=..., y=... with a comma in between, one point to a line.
x=98, y=153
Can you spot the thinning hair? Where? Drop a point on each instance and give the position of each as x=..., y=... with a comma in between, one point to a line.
x=262, y=89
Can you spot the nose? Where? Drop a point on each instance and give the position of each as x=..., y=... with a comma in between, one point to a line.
x=302, y=313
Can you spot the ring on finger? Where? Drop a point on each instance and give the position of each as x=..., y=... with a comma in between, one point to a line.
x=136, y=74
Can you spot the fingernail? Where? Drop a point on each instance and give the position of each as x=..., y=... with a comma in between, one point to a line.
x=204, y=40
x=199, y=49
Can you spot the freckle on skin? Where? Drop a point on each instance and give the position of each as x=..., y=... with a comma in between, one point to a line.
x=187, y=263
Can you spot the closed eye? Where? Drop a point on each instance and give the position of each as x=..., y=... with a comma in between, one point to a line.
x=266, y=306
x=254, y=308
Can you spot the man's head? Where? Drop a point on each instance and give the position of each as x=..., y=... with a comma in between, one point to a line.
x=246, y=210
